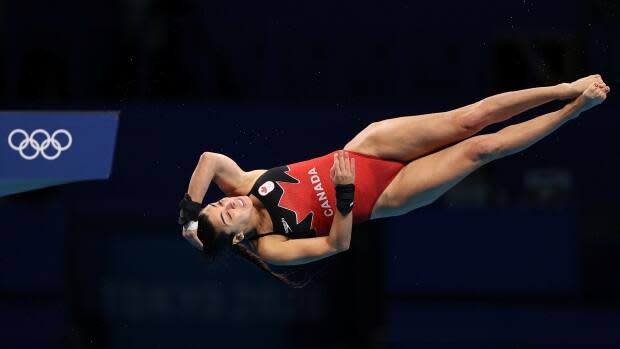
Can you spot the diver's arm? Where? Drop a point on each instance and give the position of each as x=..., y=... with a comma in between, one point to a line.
x=301, y=251
x=219, y=168
x=340, y=231
x=201, y=177
x=297, y=251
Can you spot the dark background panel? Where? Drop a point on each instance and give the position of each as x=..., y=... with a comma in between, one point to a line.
x=521, y=253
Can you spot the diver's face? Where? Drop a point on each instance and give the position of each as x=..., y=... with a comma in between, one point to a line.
x=230, y=215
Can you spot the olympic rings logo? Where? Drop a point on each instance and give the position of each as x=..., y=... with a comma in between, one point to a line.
x=29, y=141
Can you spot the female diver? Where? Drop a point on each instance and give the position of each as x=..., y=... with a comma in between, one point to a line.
x=303, y=212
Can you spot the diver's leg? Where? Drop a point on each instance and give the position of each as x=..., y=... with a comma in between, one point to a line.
x=424, y=180
x=410, y=137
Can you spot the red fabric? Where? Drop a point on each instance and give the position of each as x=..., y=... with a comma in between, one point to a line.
x=315, y=191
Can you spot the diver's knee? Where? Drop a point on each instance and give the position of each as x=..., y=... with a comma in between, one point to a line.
x=484, y=148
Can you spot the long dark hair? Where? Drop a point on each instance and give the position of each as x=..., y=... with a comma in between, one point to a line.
x=216, y=243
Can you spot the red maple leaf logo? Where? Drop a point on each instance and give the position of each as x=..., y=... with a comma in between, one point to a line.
x=297, y=196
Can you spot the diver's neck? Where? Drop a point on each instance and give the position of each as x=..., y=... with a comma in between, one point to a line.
x=261, y=217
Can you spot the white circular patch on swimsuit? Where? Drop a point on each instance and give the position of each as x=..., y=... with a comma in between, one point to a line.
x=266, y=188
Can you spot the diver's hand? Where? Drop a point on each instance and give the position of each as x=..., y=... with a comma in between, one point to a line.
x=343, y=170
x=191, y=235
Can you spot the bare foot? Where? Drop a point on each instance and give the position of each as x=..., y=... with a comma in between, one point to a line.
x=576, y=88
x=594, y=95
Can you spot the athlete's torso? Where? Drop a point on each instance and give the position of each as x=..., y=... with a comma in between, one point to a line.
x=300, y=197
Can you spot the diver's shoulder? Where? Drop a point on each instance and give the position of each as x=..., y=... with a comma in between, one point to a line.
x=250, y=178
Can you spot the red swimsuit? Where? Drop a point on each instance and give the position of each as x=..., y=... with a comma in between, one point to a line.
x=300, y=197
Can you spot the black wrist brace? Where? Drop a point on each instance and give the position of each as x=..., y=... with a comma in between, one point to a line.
x=344, y=198
x=188, y=210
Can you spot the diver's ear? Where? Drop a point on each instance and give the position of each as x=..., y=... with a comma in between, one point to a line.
x=238, y=238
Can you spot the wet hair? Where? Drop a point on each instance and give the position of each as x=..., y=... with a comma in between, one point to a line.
x=215, y=244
